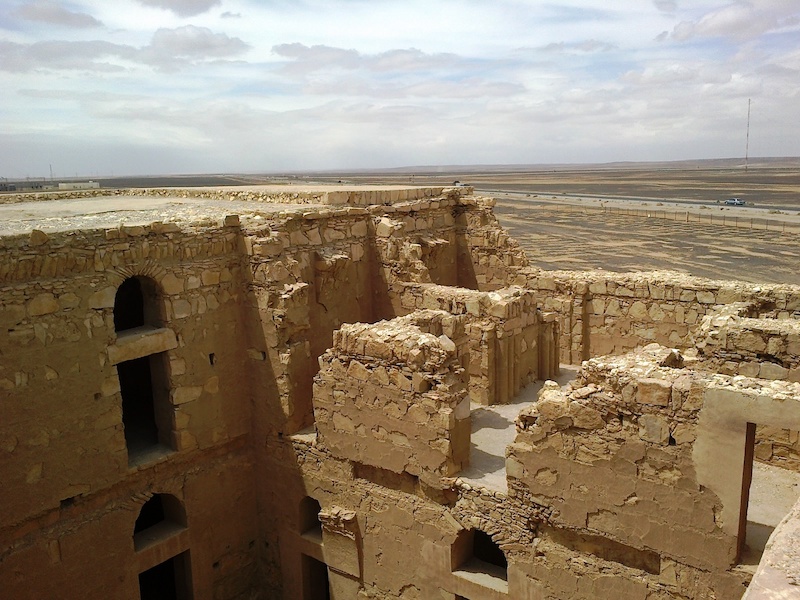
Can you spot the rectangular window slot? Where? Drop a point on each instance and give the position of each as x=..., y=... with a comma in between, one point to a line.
x=400, y=482
x=643, y=560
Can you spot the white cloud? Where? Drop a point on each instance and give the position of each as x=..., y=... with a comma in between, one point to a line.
x=668, y=6
x=169, y=50
x=172, y=49
x=183, y=8
x=53, y=13
x=281, y=84
x=62, y=55
x=587, y=46
x=741, y=20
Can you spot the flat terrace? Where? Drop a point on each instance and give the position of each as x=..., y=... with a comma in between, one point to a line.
x=99, y=209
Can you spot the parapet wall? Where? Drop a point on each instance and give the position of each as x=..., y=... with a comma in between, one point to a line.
x=286, y=194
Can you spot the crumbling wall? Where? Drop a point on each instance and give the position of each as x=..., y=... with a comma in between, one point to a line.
x=511, y=342
x=733, y=342
x=307, y=275
x=612, y=460
x=393, y=395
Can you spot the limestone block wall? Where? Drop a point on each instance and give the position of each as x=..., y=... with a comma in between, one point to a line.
x=489, y=258
x=306, y=276
x=613, y=313
x=309, y=273
x=69, y=471
x=511, y=342
x=393, y=395
x=732, y=342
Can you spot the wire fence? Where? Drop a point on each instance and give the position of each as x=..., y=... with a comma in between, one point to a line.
x=702, y=217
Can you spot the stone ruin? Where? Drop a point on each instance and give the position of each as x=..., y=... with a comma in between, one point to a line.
x=370, y=393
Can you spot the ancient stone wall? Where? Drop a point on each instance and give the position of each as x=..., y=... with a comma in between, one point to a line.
x=730, y=341
x=613, y=313
x=393, y=395
x=511, y=342
x=77, y=480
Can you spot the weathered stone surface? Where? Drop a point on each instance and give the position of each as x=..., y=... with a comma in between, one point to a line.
x=141, y=342
x=281, y=395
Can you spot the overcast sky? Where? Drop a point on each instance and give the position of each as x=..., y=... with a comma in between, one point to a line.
x=100, y=87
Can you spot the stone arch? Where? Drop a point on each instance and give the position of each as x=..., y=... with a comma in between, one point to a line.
x=158, y=509
x=139, y=301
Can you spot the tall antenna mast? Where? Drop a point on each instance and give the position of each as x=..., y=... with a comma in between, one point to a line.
x=747, y=143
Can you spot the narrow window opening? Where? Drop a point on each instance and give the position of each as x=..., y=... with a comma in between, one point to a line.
x=212, y=359
x=161, y=517
x=146, y=415
x=152, y=513
x=170, y=580
x=315, y=579
x=129, y=305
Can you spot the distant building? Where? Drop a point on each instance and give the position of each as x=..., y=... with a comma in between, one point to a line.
x=79, y=185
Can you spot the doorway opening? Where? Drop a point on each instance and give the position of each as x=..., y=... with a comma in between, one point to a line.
x=316, y=585
x=170, y=580
x=769, y=490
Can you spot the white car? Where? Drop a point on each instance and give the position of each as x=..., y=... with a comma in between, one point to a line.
x=734, y=202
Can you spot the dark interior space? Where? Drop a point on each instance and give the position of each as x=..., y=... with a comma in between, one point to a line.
x=138, y=302
x=138, y=412
x=485, y=549
x=315, y=580
x=152, y=513
x=169, y=580
x=158, y=583
x=129, y=305
x=309, y=516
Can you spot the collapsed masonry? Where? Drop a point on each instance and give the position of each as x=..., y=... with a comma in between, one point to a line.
x=283, y=403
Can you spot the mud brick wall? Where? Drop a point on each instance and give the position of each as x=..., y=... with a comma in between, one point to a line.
x=393, y=395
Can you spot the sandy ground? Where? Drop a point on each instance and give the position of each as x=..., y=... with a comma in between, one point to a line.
x=721, y=242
